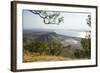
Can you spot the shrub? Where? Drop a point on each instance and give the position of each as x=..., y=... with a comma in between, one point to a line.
x=42, y=47
x=85, y=51
x=86, y=44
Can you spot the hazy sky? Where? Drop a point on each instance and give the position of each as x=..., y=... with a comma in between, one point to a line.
x=71, y=21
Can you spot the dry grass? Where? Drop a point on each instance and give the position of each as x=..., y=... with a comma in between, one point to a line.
x=28, y=57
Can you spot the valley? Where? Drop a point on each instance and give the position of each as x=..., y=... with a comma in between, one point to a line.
x=49, y=46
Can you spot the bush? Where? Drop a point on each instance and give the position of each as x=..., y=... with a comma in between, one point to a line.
x=55, y=48
x=79, y=53
x=42, y=47
x=85, y=51
x=86, y=43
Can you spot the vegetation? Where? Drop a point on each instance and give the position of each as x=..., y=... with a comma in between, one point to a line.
x=29, y=57
x=40, y=51
x=85, y=52
x=53, y=50
x=44, y=48
x=49, y=17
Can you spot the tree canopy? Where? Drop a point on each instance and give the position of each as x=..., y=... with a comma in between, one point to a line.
x=89, y=20
x=49, y=17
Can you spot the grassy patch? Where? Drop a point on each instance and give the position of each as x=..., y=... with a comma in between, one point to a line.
x=28, y=57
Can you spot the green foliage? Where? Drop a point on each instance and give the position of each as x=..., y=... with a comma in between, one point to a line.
x=48, y=48
x=86, y=43
x=49, y=17
x=85, y=51
x=89, y=20
x=80, y=53
x=68, y=54
x=55, y=48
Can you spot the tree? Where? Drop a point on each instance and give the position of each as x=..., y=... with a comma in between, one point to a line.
x=49, y=17
x=89, y=20
x=44, y=48
x=85, y=52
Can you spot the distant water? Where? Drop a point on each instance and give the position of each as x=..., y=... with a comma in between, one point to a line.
x=72, y=33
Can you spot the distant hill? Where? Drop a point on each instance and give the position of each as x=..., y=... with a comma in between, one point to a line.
x=47, y=36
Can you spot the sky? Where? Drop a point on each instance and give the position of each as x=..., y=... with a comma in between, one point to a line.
x=74, y=21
